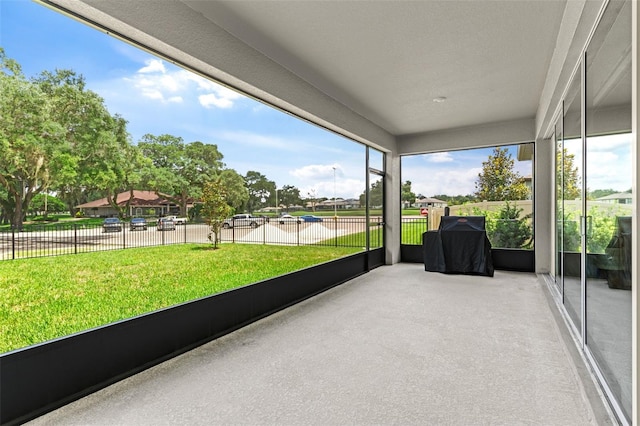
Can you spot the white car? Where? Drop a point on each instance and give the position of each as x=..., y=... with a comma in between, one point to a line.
x=165, y=224
x=243, y=219
x=287, y=218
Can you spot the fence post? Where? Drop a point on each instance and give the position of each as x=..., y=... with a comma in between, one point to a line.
x=185, y=232
x=75, y=238
x=335, y=227
x=13, y=243
x=297, y=232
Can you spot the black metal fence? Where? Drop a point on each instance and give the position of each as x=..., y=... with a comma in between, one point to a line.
x=413, y=228
x=60, y=239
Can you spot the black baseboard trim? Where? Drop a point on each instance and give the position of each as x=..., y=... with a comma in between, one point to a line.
x=41, y=378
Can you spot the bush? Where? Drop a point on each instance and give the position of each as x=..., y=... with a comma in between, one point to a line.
x=505, y=228
x=510, y=230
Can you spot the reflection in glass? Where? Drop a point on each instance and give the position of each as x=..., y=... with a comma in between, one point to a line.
x=559, y=204
x=608, y=182
x=572, y=203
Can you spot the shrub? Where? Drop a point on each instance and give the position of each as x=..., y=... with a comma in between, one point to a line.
x=510, y=230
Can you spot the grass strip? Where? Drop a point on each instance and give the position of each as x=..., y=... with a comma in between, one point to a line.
x=45, y=298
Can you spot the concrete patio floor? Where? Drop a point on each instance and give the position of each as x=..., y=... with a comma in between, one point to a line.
x=395, y=346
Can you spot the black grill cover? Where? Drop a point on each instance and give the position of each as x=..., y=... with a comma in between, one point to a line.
x=459, y=246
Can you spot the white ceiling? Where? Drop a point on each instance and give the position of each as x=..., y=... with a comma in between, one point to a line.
x=388, y=60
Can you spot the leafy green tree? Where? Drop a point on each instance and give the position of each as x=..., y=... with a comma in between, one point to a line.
x=408, y=196
x=571, y=238
x=96, y=154
x=289, y=196
x=214, y=209
x=456, y=200
x=375, y=195
x=179, y=170
x=599, y=193
x=498, y=181
x=567, y=173
x=260, y=188
x=236, y=191
x=46, y=203
x=30, y=140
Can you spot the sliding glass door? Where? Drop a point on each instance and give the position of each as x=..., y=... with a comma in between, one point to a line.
x=571, y=199
x=607, y=185
x=593, y=204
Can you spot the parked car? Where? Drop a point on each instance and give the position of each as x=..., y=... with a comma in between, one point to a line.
x=311, y=218
x=177, y=220
x=287, y=218
x=138, y=223
x=165, y=224
x=243, y=219
x=112, y=224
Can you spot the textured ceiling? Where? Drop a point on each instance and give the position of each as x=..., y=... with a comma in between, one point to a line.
x=388, y=60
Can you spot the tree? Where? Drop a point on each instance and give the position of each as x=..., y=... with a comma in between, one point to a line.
x=567, y=173
x=312, y=198
x=44, y=203
x=289, y=196
x=407, y=195
x=498, y=181
x=598, y=193
x=375, y=195
x=260, y=188
x=30, y=140
x=179, y=170
x=456, y=199
x=214, y=209
x=96, y=154
x=236, y=191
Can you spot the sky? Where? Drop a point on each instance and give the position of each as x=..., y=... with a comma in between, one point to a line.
x=452, y=172
x=157, y=97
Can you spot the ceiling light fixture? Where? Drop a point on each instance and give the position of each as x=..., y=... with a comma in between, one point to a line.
x=439, y=99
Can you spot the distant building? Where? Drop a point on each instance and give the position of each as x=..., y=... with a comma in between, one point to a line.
x=142, y=203
x=429, y=202
x=338, y=204
x=617, y=198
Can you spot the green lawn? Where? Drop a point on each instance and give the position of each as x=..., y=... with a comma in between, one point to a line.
x=412, y=231
x=45, y=298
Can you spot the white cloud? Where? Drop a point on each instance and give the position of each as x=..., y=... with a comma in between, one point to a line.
x=608, y=161
x=212, y=100
x=439, y=157
x=169, y=84
x=153, y=65
x=317, y=171
x=442, y=181
x=609, y=142
x=344, y=188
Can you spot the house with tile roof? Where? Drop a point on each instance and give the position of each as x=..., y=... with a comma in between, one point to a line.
x=140, y=203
